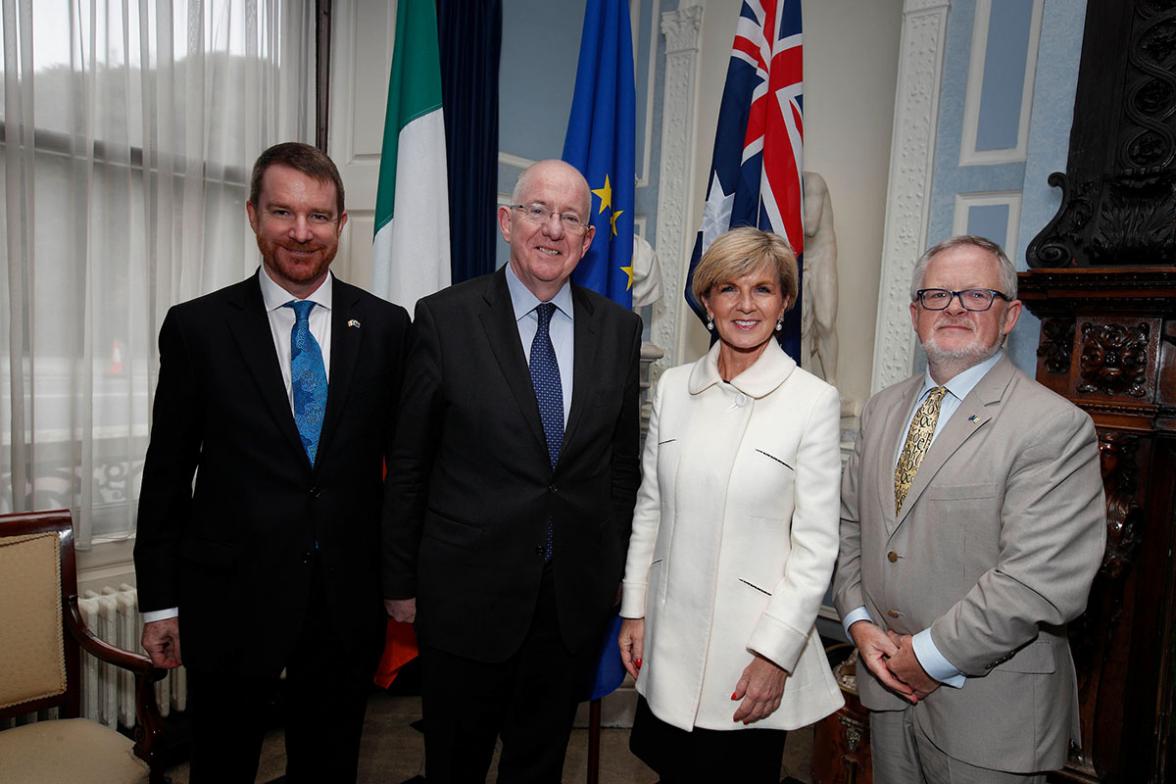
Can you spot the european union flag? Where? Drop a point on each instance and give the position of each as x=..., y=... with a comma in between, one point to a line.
x=600, y=142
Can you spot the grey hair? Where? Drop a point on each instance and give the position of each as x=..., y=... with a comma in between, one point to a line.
x=525, y=177
x=1008, y=273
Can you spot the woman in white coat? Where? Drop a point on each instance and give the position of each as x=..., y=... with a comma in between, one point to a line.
x=734, y=536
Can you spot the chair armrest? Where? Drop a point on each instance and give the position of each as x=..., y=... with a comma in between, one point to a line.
x=149, y=725
x=135, y=662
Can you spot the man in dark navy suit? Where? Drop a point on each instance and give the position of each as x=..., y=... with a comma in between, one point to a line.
x=278, y=394
x=511, y=490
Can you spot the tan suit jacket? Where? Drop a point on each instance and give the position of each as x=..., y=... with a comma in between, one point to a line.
x=994, y=550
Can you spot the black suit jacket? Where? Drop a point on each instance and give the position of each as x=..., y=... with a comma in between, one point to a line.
x=470, y=486
x=234, y=550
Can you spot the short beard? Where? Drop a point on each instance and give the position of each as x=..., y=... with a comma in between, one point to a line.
x=968, y=356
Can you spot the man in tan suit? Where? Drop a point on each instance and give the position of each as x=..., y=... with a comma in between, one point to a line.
x=972, y=524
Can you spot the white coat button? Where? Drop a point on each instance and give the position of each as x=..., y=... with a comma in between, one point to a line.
x=741, y=400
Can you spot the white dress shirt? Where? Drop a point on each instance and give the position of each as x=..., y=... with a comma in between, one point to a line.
x=562, y=328
x=281, y=320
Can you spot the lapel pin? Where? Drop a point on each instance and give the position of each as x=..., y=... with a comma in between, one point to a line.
x=972, y=419
x=355, y=323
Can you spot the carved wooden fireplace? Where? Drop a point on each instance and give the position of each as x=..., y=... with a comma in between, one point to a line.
x=1103, y=280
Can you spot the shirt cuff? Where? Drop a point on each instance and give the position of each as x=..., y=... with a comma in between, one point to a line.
x=151, y=616
x=855, y=615
x=933, y=661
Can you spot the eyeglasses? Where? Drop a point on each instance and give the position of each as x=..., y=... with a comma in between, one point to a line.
x=539, y=214
x=975, y=300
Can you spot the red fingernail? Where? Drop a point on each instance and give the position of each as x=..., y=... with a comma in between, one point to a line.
x=638, y=664
x=734, y=695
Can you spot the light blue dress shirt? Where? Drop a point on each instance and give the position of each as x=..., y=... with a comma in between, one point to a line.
x=562, y=329
x=933, y=662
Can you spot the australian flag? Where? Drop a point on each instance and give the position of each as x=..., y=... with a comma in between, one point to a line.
x=755, y=177
x=600, y=142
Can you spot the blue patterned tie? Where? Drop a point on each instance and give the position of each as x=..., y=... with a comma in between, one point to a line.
x=548, y=393
x=308, y=378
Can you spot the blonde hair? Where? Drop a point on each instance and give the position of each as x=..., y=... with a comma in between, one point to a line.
x=741, y=251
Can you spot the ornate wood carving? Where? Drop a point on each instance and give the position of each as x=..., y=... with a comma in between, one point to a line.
x=1114, y=359
x=1119, y=191
x=1107, y=264
x=1057, y=344
x=1123, y=373
x=1093, y=637
x=1120, y=483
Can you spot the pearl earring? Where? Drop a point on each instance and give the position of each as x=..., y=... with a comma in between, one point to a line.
x=780, y=324
x=710, y=323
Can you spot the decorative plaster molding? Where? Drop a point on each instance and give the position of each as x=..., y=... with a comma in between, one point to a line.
x=969, y=154
x=915, y=6
x=909, y=190
x=682, y=29
x=510, y=159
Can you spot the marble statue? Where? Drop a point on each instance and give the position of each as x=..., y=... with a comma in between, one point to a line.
x=819, y=297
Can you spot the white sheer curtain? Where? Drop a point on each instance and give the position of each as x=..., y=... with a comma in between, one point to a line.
x=129, y=127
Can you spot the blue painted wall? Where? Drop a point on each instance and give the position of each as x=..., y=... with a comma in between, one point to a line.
x=1004, y=74
x=989, y=220
x=1058, y=53
x=540, y=49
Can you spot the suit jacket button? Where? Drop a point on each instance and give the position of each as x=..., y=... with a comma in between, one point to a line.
x=893, y=614
x=315, y=492
x=306, y=557
x=892, y=556
x=552, y=489
x=538, y=549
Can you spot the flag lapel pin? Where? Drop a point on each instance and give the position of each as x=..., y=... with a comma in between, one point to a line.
x=353, y=323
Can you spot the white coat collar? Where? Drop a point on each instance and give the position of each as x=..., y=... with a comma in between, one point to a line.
x=768, y=372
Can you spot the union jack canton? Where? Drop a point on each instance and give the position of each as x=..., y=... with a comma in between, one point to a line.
x=756, y=168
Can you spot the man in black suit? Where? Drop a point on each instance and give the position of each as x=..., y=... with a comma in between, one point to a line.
x=511, y=490
x=279, y=394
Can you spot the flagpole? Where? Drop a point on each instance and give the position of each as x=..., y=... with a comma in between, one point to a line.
x=594, y=742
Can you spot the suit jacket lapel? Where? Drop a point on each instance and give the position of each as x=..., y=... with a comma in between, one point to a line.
x=974, y=411
x=502, y=331
x=585, y=347
x=250, y=327
x=346, y=335
x=894, y=431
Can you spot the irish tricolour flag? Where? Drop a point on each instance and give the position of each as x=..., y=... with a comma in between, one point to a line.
x=411, y=252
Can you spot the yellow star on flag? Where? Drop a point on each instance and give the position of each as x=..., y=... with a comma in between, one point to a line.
x=628, y=271
x=605, y=195
x=616, y=214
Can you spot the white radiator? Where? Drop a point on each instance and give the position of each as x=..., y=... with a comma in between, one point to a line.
x=108, y=692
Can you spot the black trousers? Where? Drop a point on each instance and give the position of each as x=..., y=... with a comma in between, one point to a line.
x=322, y=707
x=530, y=700
x=748, y=756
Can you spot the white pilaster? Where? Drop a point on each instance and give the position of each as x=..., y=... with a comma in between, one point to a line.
x=916, y=107
x=683, y=31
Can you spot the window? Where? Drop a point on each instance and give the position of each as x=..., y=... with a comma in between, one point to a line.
x=125, y=147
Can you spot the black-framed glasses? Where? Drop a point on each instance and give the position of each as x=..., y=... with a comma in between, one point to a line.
x=540, y=214
x=975, y=300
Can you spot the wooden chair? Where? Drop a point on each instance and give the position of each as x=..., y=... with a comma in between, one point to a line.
x=40, y=633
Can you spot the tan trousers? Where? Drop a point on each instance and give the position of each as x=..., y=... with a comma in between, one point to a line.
x=904, y=755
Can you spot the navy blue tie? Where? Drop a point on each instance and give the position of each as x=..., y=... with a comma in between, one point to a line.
x=548, y=393
x=308, y=378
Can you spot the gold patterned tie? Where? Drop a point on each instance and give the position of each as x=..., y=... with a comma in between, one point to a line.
x=917, y=441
